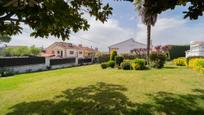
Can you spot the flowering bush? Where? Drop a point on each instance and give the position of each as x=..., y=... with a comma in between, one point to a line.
x=196, y=64
x=138, y=64
x=180, y=61
x=157, y=59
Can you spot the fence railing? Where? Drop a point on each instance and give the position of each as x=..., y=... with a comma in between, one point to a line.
x=7, y=62
x=62, y=61
x=86, y=60
x=13, y=62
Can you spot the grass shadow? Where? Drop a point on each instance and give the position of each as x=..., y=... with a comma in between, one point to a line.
x=108, y=99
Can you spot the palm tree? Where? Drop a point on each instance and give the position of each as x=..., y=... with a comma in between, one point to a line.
x=148, y=17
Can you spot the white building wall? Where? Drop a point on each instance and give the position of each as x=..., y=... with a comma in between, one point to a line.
x=126, y=47
x=27, y=68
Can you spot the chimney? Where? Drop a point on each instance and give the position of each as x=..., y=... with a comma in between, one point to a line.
x=70, y=44
x=80, y=45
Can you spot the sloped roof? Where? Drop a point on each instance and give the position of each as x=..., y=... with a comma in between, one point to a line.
x=131, y=39
x=69, y=46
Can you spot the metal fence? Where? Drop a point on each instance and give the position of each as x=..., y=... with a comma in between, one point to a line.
x=7, y=62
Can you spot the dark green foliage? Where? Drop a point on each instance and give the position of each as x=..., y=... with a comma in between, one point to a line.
x=104, y=65
x=50, y=17
x=139, y=64
x=4, y=38
x=177, y=51
x=157, y=59
x=119, y=60
x=193, y=11
x=111, y=64
x=113, y=55
x=103, y=58
x=126, y=65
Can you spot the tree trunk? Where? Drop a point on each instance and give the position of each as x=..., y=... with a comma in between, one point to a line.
x=148, y=43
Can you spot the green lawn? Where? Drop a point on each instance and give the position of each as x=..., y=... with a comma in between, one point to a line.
x=91, y=90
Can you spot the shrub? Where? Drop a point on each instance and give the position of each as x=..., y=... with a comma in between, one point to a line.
x=111, y=64
x=130, y=56
x=157, y=59
x=138, y=64
x=180, y=61
x=196, y=64
x=126, y=65
x=113, y=55
x=5, y=73
x=119, y=60
x=104, y=65
x=101, y=58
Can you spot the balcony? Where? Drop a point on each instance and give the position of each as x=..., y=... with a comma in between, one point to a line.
x=190, y=53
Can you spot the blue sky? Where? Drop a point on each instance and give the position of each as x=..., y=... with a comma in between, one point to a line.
x=124, y=24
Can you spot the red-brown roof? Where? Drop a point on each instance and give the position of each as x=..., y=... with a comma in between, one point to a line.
x=71, y=46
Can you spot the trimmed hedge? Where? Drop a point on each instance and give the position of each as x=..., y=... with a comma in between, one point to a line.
x=196, y=64
x=138, y=64
x=104, y=65
x=111, y=64
x=180, y=61
x=177, y=51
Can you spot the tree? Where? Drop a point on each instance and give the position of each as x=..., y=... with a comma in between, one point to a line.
x=149, y=18
x=35, y=51
x=21, y=51
x=50, y=17
x=4, y=38
x=113, y=55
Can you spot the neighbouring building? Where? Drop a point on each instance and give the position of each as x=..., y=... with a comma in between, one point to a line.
x=196, y=49
x=126, y=46
x=68, y=50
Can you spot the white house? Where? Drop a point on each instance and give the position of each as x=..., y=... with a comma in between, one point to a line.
x=196, y=49
x=126, y=46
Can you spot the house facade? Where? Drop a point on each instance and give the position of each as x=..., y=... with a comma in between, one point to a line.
x=68, y=50
x=196, y=49
x=126, y=46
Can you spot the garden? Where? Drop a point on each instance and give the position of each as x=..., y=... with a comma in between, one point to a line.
x=121, y=84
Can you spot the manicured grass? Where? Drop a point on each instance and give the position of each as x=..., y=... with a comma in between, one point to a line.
x=91, y=90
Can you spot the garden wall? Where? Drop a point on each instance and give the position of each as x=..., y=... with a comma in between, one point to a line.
x=31, y=64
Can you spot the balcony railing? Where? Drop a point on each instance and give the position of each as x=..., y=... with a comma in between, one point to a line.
x=190, y=53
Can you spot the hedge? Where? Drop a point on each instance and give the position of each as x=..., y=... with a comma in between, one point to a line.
x=178, y=51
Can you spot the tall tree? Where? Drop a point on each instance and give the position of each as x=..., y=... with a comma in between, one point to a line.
x=50, y=17
x=149, y=18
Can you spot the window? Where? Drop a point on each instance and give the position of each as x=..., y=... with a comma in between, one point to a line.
x=58, y=52
x=80, y=52
x=71, y=52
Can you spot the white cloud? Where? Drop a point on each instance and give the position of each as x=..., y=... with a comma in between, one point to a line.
x=166, y=31
x=99, y=35
x=171, y=31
